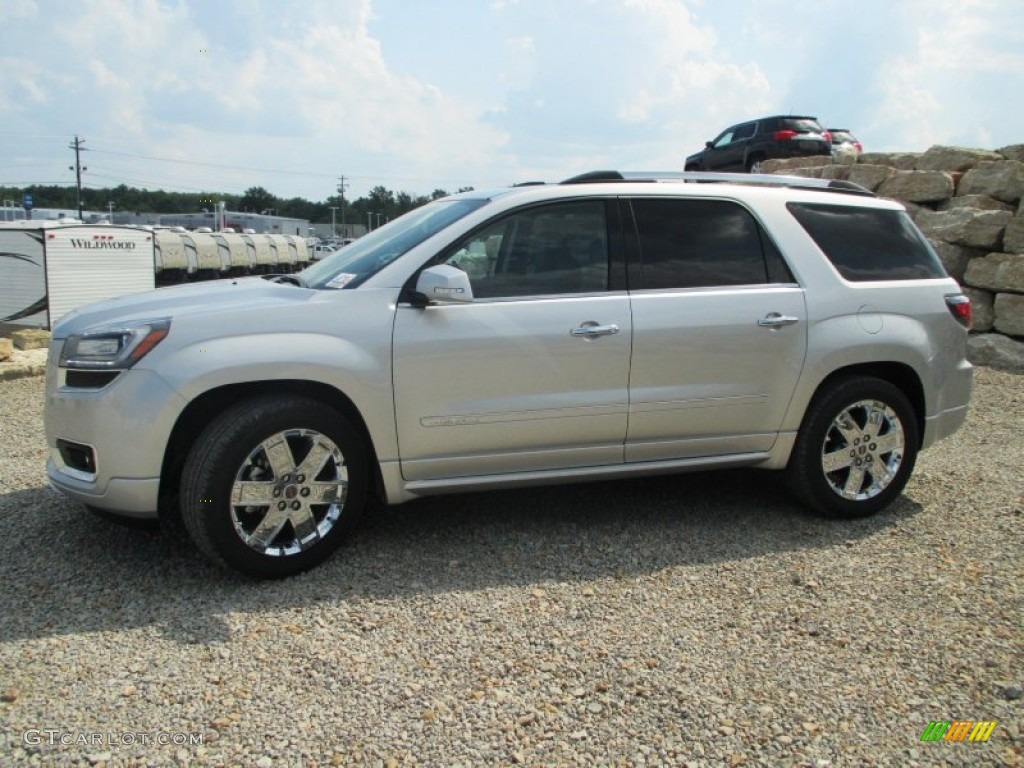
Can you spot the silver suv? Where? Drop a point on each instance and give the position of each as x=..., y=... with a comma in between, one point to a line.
x=611, y=325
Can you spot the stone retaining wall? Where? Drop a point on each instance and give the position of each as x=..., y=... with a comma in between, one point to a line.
x=970, y=205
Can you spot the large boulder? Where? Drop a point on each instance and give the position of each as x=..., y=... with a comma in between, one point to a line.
x=836, y=172
x=955, y=258
x=939, y=158
x=983, y=314
x=964, y=226
x=903, y=161
x=1009, y=309
x=918, y=186
x=812, y=172
x=789, y=164
x=998, y=272
x=1013, y=238
x=31, y=338
x=870, y=176
x=997, y=351
x=1013, y=152
x=978, y=202
x=1002, y=179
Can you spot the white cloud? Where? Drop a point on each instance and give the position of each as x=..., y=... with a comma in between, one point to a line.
x=382, y=94
x=940, y=88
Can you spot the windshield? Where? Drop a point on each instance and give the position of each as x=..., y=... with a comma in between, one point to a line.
x=355, y=263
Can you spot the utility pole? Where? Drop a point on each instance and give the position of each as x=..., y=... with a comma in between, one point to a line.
x=77, y=168
x=334, y=229
x=110, y=207
x=342, y=186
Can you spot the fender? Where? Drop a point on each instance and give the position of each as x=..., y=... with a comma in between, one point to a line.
x=901, y=340
x=363, y=375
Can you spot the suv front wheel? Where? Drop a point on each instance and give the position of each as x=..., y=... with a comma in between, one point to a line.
x=272, y=485
x=856, y=448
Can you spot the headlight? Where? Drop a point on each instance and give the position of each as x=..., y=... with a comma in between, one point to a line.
x=113, y=347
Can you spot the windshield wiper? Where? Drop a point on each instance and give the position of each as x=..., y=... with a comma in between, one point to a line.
x=286, y=278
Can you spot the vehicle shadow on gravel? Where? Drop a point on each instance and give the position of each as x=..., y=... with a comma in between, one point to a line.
x=69, y=572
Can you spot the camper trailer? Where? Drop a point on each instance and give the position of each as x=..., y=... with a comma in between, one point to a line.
x=51, y=268
x=48, y=268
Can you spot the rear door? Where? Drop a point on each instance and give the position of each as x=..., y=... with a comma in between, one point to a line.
x=531, y=375
x=719, y=330
x=728, y=151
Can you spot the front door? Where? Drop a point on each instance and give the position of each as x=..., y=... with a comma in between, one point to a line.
x=532, y=374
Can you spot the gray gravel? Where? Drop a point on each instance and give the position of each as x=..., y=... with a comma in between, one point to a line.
x=700, y=620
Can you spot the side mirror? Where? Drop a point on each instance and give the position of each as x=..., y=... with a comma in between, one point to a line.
x=708, y=145
x=446, y=284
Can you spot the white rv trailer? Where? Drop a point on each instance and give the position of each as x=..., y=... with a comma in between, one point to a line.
x=48, y=269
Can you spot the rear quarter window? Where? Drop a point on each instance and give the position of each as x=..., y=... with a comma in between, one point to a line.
x=868, y=244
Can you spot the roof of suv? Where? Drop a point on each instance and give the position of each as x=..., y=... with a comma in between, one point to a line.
x=782, y=117
x=701, y=177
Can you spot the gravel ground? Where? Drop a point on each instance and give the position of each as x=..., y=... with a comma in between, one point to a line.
x=699, y=620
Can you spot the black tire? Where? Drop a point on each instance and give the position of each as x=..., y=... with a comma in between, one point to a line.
x=842, y=466
x=263, y=448
x=754, y=163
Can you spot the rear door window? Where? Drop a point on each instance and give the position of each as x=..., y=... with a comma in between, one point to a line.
x=700, y=244
x=744, y=132
x=866, y=244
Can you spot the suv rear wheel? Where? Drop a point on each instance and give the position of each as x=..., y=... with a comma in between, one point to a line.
x=272, y=485
x=856, y=448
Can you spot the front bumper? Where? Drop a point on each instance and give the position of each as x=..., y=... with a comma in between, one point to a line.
x=127, y=425
x=126, y=496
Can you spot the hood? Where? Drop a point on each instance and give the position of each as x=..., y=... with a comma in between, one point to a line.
x=249, y=294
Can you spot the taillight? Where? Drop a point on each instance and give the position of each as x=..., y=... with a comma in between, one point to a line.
x=784, y=135
x=960, y=307
x=859, y=146
x=827, y=136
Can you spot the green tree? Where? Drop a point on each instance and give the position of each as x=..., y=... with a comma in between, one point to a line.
x=258, y=199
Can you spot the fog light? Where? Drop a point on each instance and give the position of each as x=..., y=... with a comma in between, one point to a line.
x=77, y=456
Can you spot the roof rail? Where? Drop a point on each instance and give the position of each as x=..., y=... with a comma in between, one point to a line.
x=703, y=177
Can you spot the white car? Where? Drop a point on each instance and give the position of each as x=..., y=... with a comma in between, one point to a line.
x=608, y=326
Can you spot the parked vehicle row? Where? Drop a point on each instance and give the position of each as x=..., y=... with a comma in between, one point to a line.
x=744, y=146
x=324, y=248
x=185, y=256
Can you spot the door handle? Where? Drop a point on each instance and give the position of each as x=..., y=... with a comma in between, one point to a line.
x=775, y=320
x=591, y=330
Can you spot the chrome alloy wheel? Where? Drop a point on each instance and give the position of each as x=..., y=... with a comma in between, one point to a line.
x=289, y=492
x=863, y=450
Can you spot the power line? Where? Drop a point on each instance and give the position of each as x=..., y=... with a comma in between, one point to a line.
x=372, y=177
x=136, y=180
x=213, y=165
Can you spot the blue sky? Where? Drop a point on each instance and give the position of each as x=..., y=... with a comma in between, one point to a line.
x=222, y=95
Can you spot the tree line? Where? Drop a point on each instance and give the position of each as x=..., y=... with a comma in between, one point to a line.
x=381, y=204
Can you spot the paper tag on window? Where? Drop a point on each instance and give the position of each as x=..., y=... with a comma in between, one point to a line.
x=341, y=280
